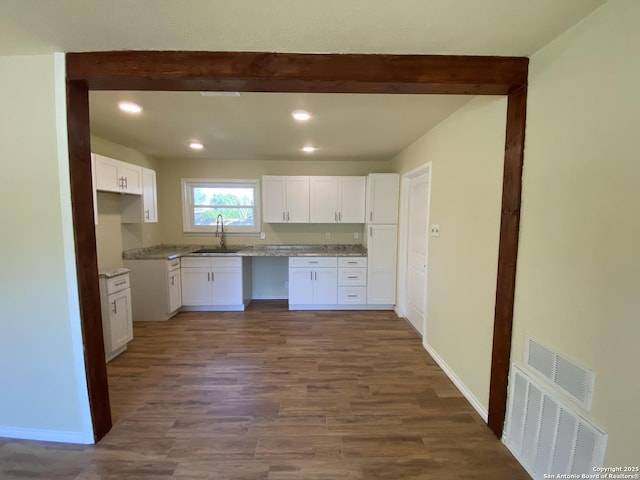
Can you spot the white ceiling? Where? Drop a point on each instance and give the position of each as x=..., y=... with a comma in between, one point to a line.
x=474, y=27
x=259, y=125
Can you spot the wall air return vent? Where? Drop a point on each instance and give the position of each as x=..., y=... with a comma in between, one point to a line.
x=575, y=381
x=545, y=435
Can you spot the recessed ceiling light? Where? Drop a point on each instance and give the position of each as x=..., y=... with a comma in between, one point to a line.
x=301, y=115
x=196, y=145
x=309, y=149
x=129, y=107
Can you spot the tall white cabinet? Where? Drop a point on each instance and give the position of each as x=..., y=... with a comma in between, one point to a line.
x=381, y=237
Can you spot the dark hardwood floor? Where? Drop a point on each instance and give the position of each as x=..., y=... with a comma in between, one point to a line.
x=277, y=395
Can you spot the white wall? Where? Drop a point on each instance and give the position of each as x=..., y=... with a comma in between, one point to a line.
x=42, y=379
x=467, y=152
x=578, y=274
x=171, y=171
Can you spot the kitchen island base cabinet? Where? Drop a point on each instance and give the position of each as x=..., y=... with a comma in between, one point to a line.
x=157, y=289
x=216, y=283
x=115, y=300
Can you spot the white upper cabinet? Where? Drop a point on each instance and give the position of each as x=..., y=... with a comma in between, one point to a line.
x=141, y=208
x=337, y=199
x=285, y=199
x=149, y=196
x=383, y=191
x=116, y=176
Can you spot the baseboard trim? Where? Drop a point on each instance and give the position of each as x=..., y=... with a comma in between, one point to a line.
x=46, y=435
x=457, y=382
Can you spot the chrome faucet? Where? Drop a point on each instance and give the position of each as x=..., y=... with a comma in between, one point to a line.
x=220, y=231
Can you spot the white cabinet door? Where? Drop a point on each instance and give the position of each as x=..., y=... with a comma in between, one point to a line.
x=131, y=176
x=323, y=199
x=383, y=191
x=274, y=199
x=382, y=249
x=301, y=286
x=297, y=199
x=285, y=199
x=196, y=286
x=325, y=288
x=174, y=299
x=107, y=178
x=352, y=199
x=227, y=286
x=121, y=328
x=149, y=196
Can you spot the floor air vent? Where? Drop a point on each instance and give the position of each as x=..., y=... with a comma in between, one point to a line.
x=545, y=435
x=572, y=379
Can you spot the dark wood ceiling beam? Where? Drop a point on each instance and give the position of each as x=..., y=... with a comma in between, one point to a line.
x=314, y=73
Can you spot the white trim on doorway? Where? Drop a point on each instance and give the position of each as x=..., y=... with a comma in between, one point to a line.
x=403, y=255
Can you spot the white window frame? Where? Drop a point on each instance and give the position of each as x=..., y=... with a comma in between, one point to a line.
x=187, y=205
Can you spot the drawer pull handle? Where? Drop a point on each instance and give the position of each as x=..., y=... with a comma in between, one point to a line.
x=115, y=307
x=352, y=296
x=352, y=278
x=314, y=262
x=117, y=284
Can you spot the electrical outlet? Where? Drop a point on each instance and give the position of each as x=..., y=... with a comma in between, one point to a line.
x=327, y=236
x=435, y=230
x=286, y=285
x=356, y=235
x=262, y=235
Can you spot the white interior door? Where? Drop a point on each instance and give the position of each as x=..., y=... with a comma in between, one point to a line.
x=417, y=251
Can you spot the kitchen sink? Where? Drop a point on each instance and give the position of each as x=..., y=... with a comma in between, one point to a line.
x=217, y=250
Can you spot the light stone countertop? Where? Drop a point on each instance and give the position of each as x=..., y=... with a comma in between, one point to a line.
x=113, y=272
x=169, y=252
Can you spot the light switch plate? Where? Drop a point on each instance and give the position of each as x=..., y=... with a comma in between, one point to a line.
x=435, y=230
x=327, y=236
x=356, y=235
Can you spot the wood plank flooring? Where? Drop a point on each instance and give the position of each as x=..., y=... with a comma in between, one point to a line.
x=269, y=394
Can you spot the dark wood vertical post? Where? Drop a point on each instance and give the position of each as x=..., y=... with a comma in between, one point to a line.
x=507, y=256
x=86, y=256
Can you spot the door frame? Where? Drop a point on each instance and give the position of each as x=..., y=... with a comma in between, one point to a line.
x=403, y=251
x=290, y=72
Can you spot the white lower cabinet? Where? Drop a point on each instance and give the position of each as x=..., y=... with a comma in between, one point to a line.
x=352, y=281
x=328, y=283
x=215, y=283
x=156, y=285
x=313, y=281
x=115, y=299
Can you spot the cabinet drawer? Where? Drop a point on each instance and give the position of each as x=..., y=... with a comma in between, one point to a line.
x=204, y=262
x=211, y=262
x=352, y=295
x=226, y=262
x=352, y=261
x=116, y=284
x=352, y=277
x=173, y=264
x=313, y=262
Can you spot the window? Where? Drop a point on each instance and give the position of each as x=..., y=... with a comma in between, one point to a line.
x=236, y=200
